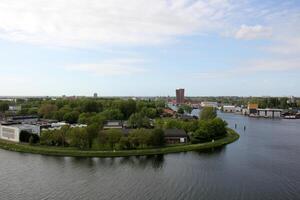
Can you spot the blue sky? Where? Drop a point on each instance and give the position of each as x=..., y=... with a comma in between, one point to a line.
x=149, y=48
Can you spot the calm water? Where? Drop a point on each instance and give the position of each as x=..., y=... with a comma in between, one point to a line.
x=263, y=164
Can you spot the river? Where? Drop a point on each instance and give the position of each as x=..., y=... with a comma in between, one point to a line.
x=263, y=164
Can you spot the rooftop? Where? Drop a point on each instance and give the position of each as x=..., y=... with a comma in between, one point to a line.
x=175, y=133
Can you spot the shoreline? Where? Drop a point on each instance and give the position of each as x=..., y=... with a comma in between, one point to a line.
x=231, y=137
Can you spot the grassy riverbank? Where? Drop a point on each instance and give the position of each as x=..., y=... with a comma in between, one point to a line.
x=67, y=151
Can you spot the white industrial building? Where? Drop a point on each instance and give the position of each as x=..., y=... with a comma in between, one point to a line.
x=269, y=113
x=229, y=109
x=12, y=132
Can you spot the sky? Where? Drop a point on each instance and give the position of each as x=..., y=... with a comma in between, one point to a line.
x=150, y=48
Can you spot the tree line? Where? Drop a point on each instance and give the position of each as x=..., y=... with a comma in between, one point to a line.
x=93, y=137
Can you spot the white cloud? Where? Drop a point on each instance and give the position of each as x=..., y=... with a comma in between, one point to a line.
x=253, y=32
x=252, y=67
x=81, y=22
x=114, y=67
x=271, y=65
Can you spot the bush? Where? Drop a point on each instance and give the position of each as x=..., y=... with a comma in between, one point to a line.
x=209, y=130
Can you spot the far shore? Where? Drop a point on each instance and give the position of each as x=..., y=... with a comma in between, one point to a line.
x=73, y=152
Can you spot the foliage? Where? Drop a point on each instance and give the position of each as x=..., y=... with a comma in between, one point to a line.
x=57, y=151
x=209, y=130
x=138, y=120
x=139, y=138
x=149, y=112
x=208, y=113
x=180, y=110
x=157, y=137
x=186, y=108
x=71, y=117
x=113, y=114
x=113, y=137
x=79, y=138
x=4, y=106
x=92, y=133
x=47, y=110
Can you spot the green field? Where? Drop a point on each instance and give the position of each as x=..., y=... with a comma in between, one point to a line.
x=68, y=151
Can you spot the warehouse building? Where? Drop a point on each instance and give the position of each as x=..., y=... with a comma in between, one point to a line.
x=18, y=132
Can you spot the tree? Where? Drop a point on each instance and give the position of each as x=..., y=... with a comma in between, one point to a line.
x=149, y=112
x=47, y=110
x=190, y=126
x=113, y=114
x=46, y=138
x=180, y=110
x=139, y=138
x=173, y=123
x=63, y=134
x=90, y=106
x=92, y=132
x=71, y=117
x=113, y=137
x=102, y=137
x=187, y=108
x=138, y=120
x=208, y=113
x=218, y=127
x=4, y=106
x=157, y=137
x=124, y=143
x=127, y=107
x=79, y=138
x=209, y=130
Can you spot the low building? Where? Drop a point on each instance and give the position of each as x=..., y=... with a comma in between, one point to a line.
x=167, y=112
x=113, y=124
x=173, y=136
x=15, y=108
x=209, y=104
x=13, y=132
x=28, y=119
x=187, y=117
x=238, y=109
x=230, y=109
x=252, y=108
x=269, y=113
x=245, y=111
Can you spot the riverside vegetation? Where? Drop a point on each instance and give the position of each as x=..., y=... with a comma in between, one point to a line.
x=144, y=120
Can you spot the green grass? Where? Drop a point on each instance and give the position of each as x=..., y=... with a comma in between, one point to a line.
x=69, y=151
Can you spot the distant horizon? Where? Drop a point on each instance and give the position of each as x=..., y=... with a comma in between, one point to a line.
x=138, y=96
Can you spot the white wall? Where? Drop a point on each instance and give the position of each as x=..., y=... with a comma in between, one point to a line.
x=10, y=133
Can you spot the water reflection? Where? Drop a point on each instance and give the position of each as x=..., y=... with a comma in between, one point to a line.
x=216, y=151
x=142, y=162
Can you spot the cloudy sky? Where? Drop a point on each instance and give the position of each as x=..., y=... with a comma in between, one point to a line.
x=142, y=47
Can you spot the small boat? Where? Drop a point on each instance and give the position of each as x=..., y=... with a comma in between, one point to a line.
x=290, y=117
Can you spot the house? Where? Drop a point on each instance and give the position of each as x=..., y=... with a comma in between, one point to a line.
x=118, y=124
x=173, y=136
x=167, y=112
x=187, y=117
